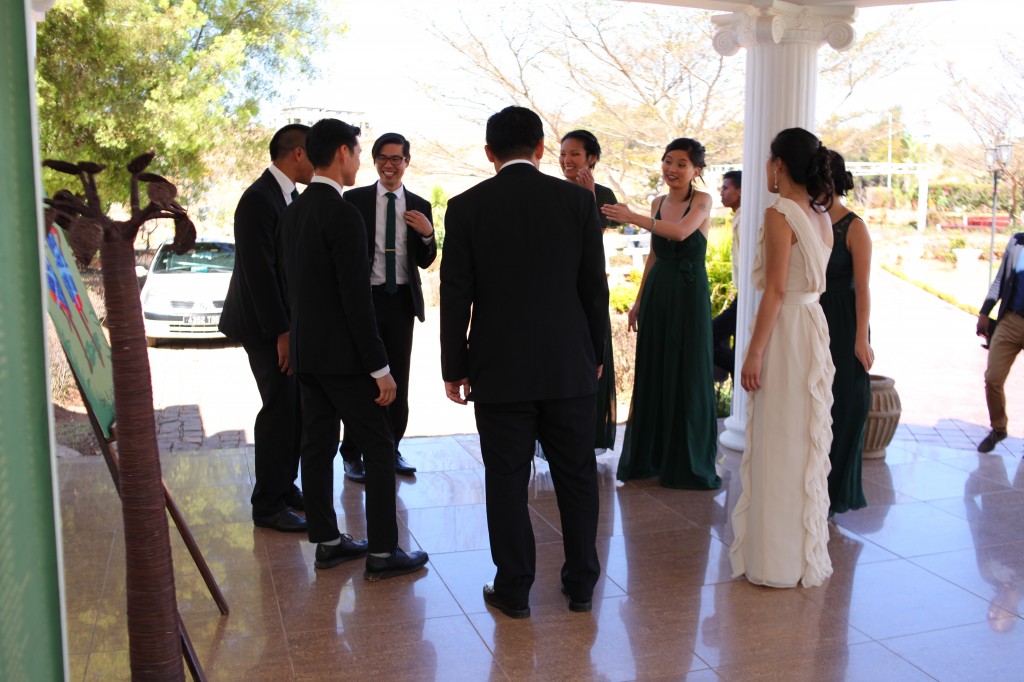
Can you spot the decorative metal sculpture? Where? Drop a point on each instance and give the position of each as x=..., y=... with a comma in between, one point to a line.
x=153, y=628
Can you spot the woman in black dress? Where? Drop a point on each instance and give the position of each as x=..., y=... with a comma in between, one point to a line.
x=580, y=153
x=847, y=307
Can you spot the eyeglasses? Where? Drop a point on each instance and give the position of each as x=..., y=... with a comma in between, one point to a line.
x=395, y=160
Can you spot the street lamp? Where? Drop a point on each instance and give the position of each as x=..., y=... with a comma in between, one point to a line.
x=996, y=157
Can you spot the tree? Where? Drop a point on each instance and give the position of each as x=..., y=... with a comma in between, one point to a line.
x=635, y=76
x=994, y=112
x=115, y=76
x=877, y=54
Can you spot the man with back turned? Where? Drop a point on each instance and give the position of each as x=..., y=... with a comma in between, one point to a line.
x=524, y=301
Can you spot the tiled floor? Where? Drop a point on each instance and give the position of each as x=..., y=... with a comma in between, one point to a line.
x=928, y=579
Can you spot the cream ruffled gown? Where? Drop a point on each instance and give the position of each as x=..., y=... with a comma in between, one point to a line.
x=780, y=522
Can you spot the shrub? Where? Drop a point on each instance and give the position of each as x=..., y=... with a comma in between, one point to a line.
x=723, y=398
x=621, y=297
x=719, y=265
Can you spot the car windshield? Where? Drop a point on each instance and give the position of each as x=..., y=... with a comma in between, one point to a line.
x=203, y=257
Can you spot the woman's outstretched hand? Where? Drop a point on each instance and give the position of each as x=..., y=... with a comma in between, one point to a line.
x=619, y=213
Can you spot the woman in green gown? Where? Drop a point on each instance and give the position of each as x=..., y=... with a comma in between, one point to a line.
x=847, y=307
x=672, y=432
x=580, y=153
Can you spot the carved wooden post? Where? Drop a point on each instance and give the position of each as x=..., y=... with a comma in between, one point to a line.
x=153, y=636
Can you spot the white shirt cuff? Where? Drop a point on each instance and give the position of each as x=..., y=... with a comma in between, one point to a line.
x=383, y=371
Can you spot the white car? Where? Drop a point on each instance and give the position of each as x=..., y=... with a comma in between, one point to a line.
x=183, y=295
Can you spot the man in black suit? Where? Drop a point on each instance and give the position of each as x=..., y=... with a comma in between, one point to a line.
x=256, y=314
x=523, y=259
x=400, y=239
x=338, y=357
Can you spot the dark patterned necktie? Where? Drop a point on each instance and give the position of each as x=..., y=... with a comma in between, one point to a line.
x=295, y=194
x=390, y=281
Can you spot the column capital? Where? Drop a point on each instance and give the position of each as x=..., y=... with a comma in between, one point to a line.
x=772, y=22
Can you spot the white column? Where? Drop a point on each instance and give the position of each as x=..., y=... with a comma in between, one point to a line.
x=38, y=14
x=782, y=42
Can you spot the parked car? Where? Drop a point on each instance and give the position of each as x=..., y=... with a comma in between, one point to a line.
x=183, y=296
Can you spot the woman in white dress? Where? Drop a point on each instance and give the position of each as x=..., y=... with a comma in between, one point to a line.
x=781, y=533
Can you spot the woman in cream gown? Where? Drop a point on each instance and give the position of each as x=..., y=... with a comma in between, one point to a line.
x=781, y=533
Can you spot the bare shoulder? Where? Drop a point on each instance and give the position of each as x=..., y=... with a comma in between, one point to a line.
x=702, y=202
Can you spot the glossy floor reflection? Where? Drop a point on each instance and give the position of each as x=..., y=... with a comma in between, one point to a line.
x=928, y=581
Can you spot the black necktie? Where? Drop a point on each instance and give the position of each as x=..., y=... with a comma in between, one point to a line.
x=389, y=246
x=295, y=194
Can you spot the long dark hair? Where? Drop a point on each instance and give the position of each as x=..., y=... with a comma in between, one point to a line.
x=591, y=147
x=693, y=149
x=807, y=161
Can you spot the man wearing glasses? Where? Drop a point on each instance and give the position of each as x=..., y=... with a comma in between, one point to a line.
x=400, y=240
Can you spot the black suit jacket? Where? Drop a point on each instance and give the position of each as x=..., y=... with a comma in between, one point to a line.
x=254, y=308
x=1003, y=285
x=420, y=255
x=327, y=283
x=523, y=270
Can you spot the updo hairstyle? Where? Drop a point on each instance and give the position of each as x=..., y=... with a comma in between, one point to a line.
x=842, y=179
x=808, y=162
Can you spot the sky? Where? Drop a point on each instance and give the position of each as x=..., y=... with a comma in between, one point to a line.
x=380, y=69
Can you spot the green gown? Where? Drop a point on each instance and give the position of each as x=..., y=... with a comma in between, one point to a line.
x=672, y=431
x=851, y=389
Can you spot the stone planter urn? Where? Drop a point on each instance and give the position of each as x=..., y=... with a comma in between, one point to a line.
x=883, y=417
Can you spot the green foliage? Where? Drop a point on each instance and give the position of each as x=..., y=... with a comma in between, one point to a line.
x=118, y=77
x=621, y=297
x=971, y=197
x=723, y=398
x=719, y=265
x=438, y=206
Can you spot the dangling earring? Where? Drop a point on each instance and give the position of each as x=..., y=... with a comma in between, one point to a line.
x=775, y=176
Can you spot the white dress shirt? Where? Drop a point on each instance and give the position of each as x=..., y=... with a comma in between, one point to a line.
x=379, y=273
x=286, y=183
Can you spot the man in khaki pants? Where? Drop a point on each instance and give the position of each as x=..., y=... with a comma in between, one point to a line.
x=1008, y=339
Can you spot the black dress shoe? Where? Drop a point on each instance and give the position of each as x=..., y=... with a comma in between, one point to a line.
x=285, y=521
x=504, y=604
x=348, y=549
x=294, y=499
x=402, y=467
x=989, y=442
x=354, y=471
x=578, y=605
x=399, y=563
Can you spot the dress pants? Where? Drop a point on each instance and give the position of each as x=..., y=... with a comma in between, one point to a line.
x=565, y=429
x=1006, y=344
x=723, y=328
x=325, y=399
x=276, y=432
x=395, y=320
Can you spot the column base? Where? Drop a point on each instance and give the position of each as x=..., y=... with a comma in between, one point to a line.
x=734, y=436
